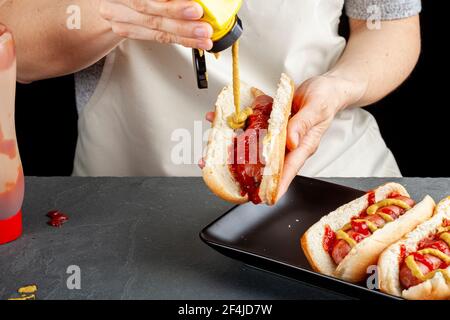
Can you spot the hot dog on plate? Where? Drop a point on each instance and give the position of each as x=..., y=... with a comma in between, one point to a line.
x=347, y=241
x=418, y=266
x=245, y=165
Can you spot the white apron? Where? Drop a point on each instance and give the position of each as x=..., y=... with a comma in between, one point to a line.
x=146, y=117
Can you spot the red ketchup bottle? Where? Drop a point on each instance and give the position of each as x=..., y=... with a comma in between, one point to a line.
x=11, y=172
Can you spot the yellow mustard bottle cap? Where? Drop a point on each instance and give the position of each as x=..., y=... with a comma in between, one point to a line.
x=222, y=16
x=230, y=38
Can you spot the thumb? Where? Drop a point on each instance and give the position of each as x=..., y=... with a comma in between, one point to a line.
x=299, y=126
x=293, y=162
x=296, y=159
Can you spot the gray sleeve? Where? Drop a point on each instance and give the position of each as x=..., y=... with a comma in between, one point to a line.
x=385, y=9
x=86, y=82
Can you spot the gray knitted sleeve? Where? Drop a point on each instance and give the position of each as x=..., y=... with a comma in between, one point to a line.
x=385, y=9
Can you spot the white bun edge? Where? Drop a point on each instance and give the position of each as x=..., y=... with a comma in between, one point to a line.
x=216, y=173
x=389, y=268
x=354, y=266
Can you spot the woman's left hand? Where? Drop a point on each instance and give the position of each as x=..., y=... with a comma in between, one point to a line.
x=314, y=107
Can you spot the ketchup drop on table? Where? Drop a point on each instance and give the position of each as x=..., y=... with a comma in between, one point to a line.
x=57, y=218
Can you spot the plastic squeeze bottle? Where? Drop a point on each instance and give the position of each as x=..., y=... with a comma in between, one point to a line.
x=222, y=16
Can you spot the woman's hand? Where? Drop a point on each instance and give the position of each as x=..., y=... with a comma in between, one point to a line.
x=314, y=107
x=164, y=21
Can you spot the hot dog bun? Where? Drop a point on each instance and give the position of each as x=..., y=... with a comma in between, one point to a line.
x=354, y=266
x=216, y=172
x=435, y=288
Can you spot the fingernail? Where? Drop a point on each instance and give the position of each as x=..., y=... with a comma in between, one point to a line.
x=205, y=45
x=191, y=13
x=201, y=33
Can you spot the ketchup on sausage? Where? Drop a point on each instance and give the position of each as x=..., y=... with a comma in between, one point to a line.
x=247, y=163
x=426, y=263
x=360, y=226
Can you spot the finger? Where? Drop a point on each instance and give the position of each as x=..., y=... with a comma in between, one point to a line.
x=190, y=29
x=142, y=33
x=210, y=116
x=201, y=163
x=189, y=10
x=293, y=162
x=299, y=100
x=300, y=124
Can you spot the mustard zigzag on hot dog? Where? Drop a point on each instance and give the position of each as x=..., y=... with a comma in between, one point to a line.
x=347, y=241
x=418, y=266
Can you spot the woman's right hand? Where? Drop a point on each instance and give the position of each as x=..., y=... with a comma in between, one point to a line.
x=164, y=21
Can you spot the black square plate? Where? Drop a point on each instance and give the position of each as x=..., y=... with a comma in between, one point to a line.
x=269, y=237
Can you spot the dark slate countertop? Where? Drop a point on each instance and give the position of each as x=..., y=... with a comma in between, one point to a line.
x=137, y=238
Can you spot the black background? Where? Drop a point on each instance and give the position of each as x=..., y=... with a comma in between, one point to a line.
x=414, y=120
